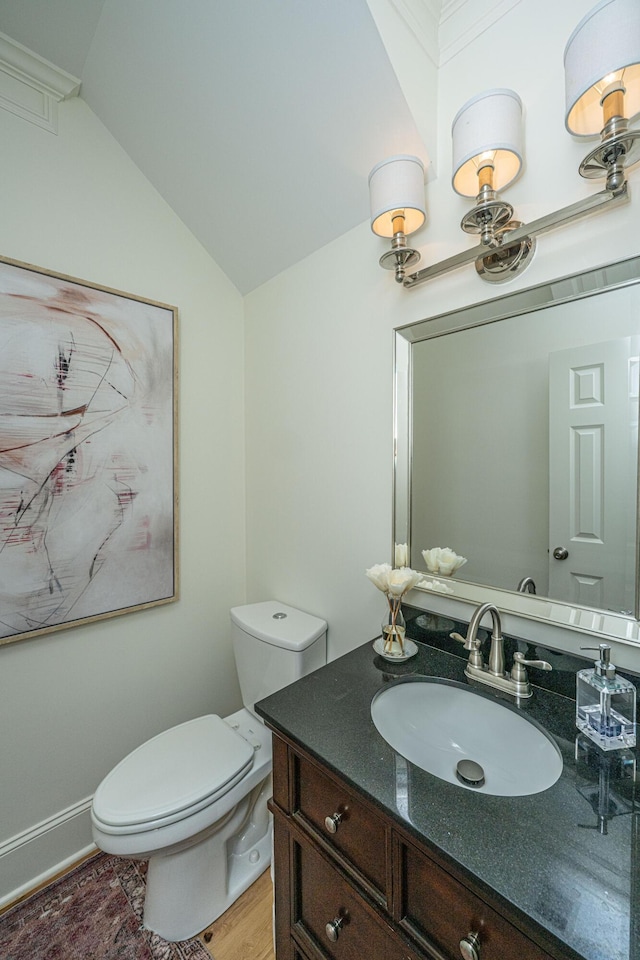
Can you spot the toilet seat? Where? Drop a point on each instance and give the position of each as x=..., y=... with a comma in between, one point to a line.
x=172, y=776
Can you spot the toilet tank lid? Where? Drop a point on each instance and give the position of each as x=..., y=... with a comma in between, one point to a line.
x=278, y=624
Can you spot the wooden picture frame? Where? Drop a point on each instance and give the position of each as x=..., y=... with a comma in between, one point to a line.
x=88, y=452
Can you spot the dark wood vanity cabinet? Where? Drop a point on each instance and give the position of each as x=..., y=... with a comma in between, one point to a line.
x=352, y=885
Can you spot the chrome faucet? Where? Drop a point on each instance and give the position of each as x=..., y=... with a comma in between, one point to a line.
x=527, y=585
x=493, y=674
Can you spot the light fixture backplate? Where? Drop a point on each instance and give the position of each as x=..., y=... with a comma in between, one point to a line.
x=507, y=260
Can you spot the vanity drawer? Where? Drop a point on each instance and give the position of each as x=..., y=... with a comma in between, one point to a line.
x=321, y=897
x=328, y=809
x=439, y=912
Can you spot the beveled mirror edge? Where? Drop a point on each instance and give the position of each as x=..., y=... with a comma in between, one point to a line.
x=542, y=609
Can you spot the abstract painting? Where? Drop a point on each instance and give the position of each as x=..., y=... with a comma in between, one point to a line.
x=88, y=500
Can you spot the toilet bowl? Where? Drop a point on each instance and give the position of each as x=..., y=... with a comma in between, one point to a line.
x=193, y=800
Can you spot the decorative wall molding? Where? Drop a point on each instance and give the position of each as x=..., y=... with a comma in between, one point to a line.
x=422, y=17
x=45, y=826
x=43, y=878
x=59, y=841
x=462, y=21
x=445, y=27
x=31, y=87
x=449, y=7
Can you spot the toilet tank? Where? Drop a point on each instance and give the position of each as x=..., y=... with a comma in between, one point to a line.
x=274, y=644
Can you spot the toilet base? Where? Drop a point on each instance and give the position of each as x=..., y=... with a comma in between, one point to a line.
x=189, y=889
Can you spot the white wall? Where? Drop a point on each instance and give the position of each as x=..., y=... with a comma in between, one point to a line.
x=74, y=702
x=319, y=339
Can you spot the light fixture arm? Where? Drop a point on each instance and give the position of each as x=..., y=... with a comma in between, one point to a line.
x=523, y=233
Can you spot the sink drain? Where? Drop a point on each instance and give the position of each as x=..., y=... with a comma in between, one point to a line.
x=470, y=773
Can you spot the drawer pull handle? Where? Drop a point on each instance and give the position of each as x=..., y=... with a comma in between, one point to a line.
x=332, y=823
x=470, y=946
x=333, y=928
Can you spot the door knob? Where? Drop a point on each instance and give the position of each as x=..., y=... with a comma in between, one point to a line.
x=560, y=553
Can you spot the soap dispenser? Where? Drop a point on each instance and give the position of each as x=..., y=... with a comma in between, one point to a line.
x=606, y=703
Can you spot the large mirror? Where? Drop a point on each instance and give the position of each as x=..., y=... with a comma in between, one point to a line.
x=517, y=447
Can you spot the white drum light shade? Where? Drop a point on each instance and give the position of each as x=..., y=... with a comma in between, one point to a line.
x=487, y=129
x=603, y=49
x=396, y=185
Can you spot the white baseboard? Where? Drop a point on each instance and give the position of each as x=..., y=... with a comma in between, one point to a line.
x=30, y=858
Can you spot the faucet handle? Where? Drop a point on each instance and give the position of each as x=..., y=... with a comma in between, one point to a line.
x=519, y=663
x=475, y=657
x=473, y=645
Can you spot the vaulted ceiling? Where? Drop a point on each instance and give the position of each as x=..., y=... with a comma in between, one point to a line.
x=257, y=120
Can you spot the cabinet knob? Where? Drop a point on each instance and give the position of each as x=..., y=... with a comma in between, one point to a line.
x=332, y=823
x=332, y=929
x=470, y=946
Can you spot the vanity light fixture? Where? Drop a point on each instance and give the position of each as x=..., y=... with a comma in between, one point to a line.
x=398, y=208
x=602, y=71
x=487, y=157
x=602, y=82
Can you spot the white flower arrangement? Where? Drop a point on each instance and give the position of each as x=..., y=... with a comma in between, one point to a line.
x=394, y=583
x=401, y=558
x=437, y=586
x=442, y=561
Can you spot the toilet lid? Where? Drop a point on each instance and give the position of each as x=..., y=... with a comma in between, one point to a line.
x=189, y=765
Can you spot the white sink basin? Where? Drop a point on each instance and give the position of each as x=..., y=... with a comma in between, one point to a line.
x=436, y=723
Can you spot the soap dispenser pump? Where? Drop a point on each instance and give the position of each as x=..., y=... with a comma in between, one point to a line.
x=606, y=703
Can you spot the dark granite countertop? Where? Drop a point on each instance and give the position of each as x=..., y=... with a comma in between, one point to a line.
x=568, y=857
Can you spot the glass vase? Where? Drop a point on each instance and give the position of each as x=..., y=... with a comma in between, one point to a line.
x=393, y=629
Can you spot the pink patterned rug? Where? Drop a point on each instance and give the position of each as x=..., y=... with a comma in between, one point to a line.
x=92, y=913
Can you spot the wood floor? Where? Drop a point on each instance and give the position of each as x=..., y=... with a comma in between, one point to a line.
x=245, y=931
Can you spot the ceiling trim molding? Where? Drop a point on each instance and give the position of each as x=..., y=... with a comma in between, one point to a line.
x=455, y=37
x=449, y=7
x=422, y=17
x=31, y=87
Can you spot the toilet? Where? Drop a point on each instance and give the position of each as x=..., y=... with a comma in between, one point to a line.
x=193, y=800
